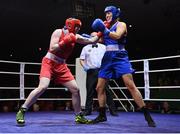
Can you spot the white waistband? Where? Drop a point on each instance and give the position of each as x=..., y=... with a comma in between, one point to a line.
x=113, y=48
x=55, y=58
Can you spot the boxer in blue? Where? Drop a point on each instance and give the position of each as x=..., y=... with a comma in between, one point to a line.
x=115, y=63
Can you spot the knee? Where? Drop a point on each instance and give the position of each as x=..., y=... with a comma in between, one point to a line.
x=129, y=83
x=40, y=89
x=99, y=89
x=74, y=90
x=131, y=87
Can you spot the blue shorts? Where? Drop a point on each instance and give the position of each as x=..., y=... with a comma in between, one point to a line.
x=115, y=64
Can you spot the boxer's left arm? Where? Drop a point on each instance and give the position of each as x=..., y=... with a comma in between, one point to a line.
x=83, y=40
x=120, y=31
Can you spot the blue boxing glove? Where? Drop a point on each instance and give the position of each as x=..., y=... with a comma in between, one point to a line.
x=98, y=25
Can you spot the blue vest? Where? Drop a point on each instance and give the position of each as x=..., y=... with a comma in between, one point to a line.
x=109, y=41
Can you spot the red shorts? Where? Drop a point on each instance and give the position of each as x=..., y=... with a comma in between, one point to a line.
x=59, y=72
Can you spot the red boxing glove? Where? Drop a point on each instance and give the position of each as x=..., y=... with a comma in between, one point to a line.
x=107, y=24
x=99, y=34
x=67, y=39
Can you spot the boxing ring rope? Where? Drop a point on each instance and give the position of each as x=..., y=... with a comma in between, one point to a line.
x=145, y=72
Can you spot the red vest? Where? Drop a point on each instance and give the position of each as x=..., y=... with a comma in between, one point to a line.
x=65, y=49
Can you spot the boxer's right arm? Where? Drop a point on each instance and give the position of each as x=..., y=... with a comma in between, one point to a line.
x=85, y=40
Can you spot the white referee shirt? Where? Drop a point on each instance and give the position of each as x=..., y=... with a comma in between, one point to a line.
x=92, y=56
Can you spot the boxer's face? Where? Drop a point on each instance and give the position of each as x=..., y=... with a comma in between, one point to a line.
x=76, y=29
x=109, y=16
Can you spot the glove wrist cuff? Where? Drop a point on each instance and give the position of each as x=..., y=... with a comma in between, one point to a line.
x=99, y=34
x=106, y=31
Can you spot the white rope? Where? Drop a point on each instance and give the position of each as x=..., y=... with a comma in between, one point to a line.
x=164, y=70
x=64, y=88
x=54, y=99
x=9, y=87
x=31, y=73
x=163, y=58
x=29, y=63
x=2, y=72
x=152, y=87
x=16, y=62
x=33, y=88
x=17, y=99
x=159, y=58
x=150, y=99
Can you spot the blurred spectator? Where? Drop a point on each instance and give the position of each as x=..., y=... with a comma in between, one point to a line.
x=165, y=108
x=6, y=108
x=164, y=80
x=176, y=82
x=36, y=107
x=68, y=106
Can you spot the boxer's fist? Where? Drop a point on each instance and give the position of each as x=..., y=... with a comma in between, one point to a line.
x=98, y=25
x=107, y=24
x=68, y=38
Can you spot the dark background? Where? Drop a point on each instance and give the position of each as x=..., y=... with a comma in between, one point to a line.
x=26, y=26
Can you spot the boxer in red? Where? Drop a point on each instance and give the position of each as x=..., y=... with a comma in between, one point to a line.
x=54, y=68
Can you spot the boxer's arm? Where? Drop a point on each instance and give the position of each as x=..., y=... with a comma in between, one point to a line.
x=54, y=42
x=83, y=40
x=120, y=31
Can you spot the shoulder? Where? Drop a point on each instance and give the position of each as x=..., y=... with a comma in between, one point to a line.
x=121, y=24
x=57, y=32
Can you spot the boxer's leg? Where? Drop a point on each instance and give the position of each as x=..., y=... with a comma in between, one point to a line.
x=76, y=101
x=33, y=96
